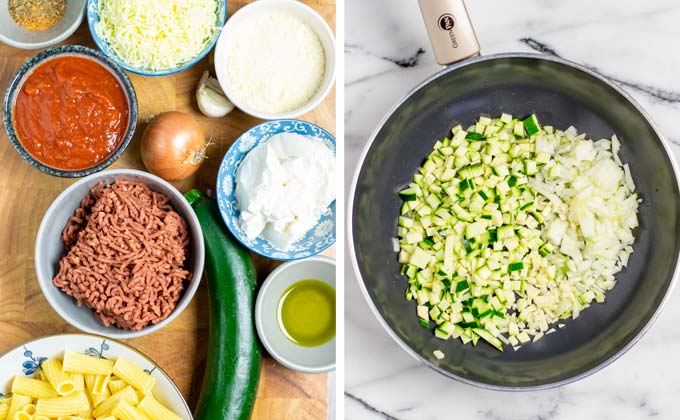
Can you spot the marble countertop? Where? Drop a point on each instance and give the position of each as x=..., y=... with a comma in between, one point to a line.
x=634, y=43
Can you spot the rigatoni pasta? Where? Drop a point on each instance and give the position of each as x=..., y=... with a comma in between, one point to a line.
x=155, y=410
x=78, y=381
x=17, y=404
x=127, y=394
x=101, y=385
x=116, y=385
x=62, y=382
x=125, y=411
x=33, y=388
x=97, y=384
x=134, y=375
x=87, y=414
x=40, y=375
x=63, y=406
x=22, y=416
x=82, y=363
x=29, y=409
x=76, y=389
x=97, y=399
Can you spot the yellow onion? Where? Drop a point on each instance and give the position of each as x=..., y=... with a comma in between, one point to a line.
x=173, y=146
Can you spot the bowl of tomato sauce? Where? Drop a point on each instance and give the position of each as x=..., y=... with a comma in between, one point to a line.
x=70, y=111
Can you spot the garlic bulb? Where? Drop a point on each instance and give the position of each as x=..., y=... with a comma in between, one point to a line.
x=211, y=100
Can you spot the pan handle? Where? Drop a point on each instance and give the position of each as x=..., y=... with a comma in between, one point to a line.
x=450, y=30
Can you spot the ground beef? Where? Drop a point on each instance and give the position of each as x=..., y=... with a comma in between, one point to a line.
x=126, y=249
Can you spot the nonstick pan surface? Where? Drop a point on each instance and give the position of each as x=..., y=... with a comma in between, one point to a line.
x=561, y=93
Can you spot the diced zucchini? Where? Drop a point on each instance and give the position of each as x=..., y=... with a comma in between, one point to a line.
x=515, y=266
x=531, y=125
x=471, y=135
x=409, y=194
x=475, y=229
x=505, y=232
x=420, y=258
x=472, y=171
x=462, y=286
x=518, y=130
x=485, y=234
x=486, y=335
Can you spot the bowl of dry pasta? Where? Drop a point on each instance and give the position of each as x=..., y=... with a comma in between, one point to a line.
x=85, y=376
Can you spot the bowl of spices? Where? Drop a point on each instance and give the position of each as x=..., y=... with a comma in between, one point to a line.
x=70, y=111
x=34, y=24
x=295, y=314
x=276, y=59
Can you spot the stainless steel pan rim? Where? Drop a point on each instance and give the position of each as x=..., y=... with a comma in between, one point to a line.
x=355, y=264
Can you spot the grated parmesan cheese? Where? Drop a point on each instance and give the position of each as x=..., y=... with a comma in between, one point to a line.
x=276, y=63
x=157, y=34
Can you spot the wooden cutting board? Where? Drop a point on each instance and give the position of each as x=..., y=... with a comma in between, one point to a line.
x=181, y=347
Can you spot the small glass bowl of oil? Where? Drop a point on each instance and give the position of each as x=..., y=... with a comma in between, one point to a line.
x=295, y=314
x=306, y=312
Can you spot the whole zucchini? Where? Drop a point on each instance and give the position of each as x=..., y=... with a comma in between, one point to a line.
x=232, y=368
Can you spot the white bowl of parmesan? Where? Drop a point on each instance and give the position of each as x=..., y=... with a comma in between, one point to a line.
x=276, y=59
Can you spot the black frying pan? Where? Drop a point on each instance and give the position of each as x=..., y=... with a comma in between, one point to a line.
x=561, y=93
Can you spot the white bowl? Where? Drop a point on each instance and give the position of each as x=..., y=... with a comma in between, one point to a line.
x=302, y=359
x=16, y=36
x=49, y=250
x=301, y=11
x=24, y=360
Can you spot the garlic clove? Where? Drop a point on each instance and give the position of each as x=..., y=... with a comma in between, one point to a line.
x=211, y=100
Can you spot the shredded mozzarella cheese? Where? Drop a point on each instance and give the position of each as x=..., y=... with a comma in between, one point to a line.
x=157, y=34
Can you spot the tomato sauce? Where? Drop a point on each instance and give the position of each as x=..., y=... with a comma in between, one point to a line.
x=71, y=113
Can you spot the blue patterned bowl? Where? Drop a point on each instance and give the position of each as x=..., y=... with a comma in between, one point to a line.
x=26, y=359
x=93, y=18
x=317, y=239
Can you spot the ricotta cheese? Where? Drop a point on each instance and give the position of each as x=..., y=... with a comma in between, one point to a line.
x=283, y=186
x=276, y=63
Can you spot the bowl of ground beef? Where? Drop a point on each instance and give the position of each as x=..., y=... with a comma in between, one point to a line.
x=119, y=253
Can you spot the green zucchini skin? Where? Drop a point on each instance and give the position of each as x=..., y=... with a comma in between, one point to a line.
x=234, y=357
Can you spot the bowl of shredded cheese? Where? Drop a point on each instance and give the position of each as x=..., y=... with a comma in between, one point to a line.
x=156, y=37
x=276, y=59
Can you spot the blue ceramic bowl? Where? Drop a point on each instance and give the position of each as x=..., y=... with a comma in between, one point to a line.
x=93, y=18
x=67, y=50
x=317, y=239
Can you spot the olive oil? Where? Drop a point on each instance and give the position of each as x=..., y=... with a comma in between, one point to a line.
x=306, y=313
